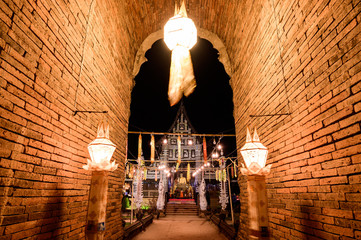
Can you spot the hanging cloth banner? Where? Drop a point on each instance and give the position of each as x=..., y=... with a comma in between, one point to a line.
x=139, y=146
x=156, y=177
x=131, y=172
x=224, y=175
x=177, y=166
x=204, y=150
x=188, y=172
x=235, y=168
x=152, y=149
x=145, y=174
x=216, y=175
x=232, y=172
x=179, y=150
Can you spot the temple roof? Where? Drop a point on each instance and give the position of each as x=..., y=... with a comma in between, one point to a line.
x=181, y=111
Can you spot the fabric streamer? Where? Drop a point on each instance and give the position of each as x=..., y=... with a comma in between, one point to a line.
x=139, y=146
x=188, y=172
x=181, y=79
x=156, y=175
x=235, y=168
x=145, y=174
x=152, y=149
x=131, y=171
x=204, y=150
x=216, y=175
x=179, y=150
x=232, y=172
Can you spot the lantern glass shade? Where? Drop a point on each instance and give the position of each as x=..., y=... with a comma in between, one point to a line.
x=101, y=150
x=254, y=153
x=180, y=31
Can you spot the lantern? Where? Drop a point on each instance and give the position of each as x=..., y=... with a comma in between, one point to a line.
x=101, y=150
x=180, y=31
x=180, y=35
x=254, y=154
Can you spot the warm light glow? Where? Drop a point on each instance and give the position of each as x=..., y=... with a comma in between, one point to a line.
x=165, y=141
x=190, y=142
x=180, y=31
x=219, y=147
x=180, y=35
x=254, y=153
x=101, y=150
x=215, y=155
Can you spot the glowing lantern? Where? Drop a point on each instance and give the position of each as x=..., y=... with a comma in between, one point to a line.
x=180, y=35
x=101, y=151
x=180, y=31
x=254, y=154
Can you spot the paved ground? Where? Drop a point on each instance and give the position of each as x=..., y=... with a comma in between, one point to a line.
x=176, y=227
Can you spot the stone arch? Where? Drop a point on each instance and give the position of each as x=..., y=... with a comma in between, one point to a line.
x=202, y=33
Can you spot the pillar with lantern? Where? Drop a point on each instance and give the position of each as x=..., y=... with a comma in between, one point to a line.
x=100, y=151
x=255, y=154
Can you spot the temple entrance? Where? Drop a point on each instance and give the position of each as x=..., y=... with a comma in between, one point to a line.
x=192, y=168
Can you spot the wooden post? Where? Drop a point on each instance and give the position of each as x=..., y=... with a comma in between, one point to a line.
x=97, y=206
x=257, y=207
x=230, y=196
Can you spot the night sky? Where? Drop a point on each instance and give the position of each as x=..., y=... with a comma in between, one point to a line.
x=209, y=107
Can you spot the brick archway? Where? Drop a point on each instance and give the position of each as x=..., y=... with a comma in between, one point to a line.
x=202, y=33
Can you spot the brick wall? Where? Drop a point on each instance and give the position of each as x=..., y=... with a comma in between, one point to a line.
x=302, y=58
x=44, y=190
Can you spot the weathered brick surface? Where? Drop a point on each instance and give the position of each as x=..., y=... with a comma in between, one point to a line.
x=302, y=58
x=44, y=190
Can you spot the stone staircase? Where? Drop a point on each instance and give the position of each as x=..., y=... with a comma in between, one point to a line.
x=182, y=207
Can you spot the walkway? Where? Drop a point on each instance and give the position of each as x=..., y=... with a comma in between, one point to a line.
x=181, y=227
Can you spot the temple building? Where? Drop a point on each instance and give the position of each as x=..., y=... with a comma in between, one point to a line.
x=191, y=150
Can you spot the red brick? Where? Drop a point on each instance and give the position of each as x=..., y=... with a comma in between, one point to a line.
x=350, y=120
x=346, y=152
x=7, y=220
x=336, y=163
x=26, y=233
x=351, y=141
x=324, y=173
x=356, y=159
x=355, y=179
x=319, y=159
x=339, y=230
x=333, y=180
x=20, y=227
x=322, y=150
x=337, y=213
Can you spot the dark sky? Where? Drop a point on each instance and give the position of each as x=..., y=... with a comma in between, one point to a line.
x=209, y=107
